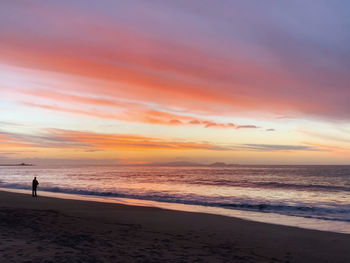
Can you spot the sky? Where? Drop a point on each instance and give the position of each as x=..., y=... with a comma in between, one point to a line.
x=138, y=81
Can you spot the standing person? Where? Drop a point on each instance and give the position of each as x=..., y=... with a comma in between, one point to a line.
x=34, y=186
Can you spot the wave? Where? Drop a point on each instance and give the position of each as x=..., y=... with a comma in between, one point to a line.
x=271, y=185
x=306, y=186
x=324, y=213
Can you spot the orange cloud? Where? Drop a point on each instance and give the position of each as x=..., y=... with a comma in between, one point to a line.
x=126, y=111
x=122, y=141
x=9, y=142
x=91, y=141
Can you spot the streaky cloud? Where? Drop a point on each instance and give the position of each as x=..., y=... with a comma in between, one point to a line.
x=279, y=147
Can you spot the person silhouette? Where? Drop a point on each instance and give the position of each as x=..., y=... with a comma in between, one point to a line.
x=34, y=186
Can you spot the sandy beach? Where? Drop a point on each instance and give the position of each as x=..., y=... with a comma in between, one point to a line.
x=47, y=229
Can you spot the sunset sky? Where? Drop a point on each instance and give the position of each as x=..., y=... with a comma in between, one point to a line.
x=123, y=82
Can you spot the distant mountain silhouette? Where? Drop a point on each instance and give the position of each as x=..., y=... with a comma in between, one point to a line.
x=174, y=164
x=218, y=164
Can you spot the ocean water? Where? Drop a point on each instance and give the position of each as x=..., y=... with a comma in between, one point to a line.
x=307, y=196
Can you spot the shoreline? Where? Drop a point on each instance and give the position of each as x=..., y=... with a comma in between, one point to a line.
x=64, y=230
x=262, y=217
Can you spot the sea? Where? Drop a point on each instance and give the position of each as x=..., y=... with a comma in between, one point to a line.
x=312, y=197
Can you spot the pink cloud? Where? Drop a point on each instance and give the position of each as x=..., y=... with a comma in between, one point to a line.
x=192, y=66
x=178, y=76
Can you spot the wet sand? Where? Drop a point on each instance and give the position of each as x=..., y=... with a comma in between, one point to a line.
x=48, y=229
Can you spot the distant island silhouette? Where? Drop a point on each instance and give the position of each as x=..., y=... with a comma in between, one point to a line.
x=18, y=164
